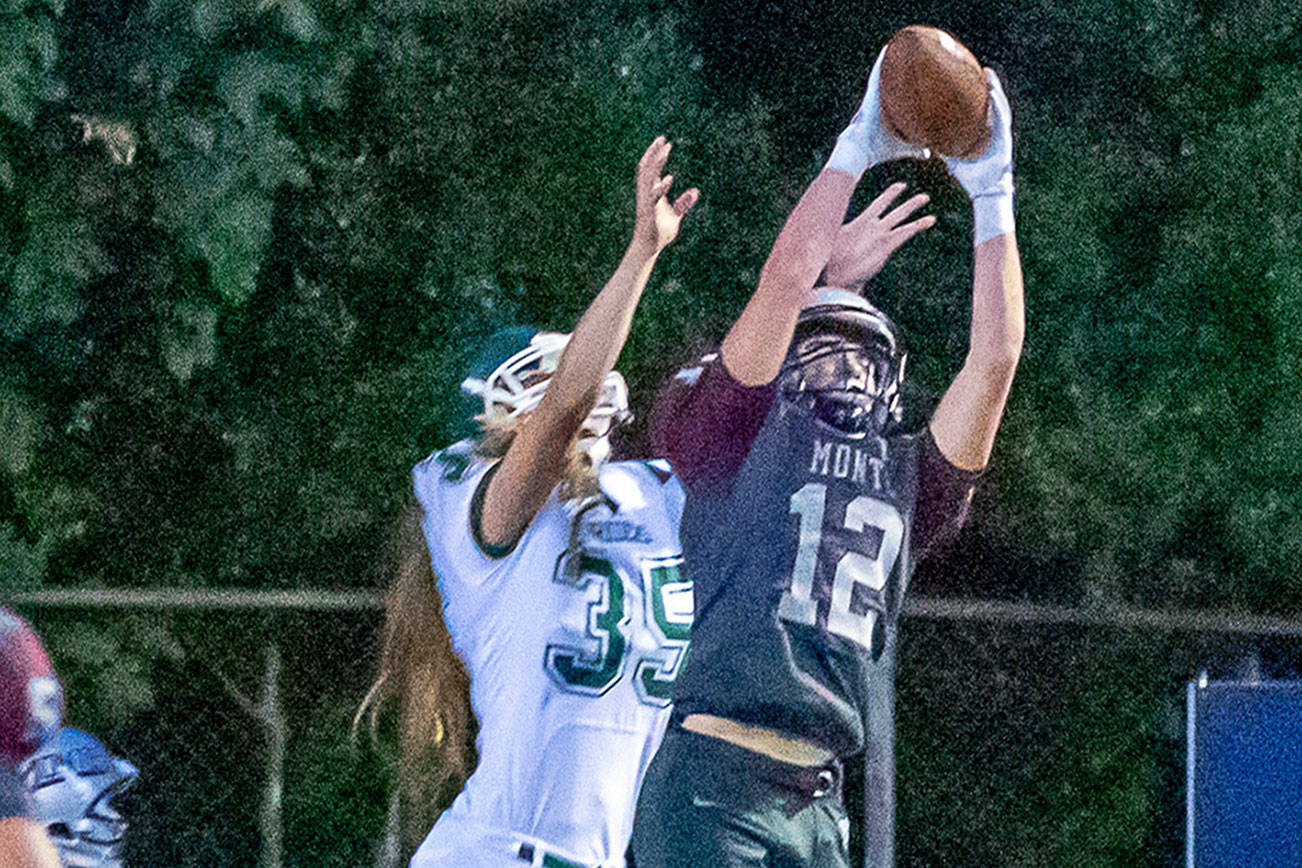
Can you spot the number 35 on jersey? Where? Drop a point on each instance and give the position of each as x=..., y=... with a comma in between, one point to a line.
x=638, y=627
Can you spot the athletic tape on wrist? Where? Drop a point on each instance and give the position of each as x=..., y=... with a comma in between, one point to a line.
x=848, y=155
x=992, y=215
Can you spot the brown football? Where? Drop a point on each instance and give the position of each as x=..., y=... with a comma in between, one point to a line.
x=934, y=93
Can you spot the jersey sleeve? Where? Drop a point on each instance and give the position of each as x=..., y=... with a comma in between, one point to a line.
x=705, y=421
x=944, y=495
x=446, y=486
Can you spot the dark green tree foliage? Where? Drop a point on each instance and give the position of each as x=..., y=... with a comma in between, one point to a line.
x=1162, y=270
x=248, y=251
x=1040, y=745
x=247, y=248
x=29, y=49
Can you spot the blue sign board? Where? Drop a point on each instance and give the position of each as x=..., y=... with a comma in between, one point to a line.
x=1244, y=775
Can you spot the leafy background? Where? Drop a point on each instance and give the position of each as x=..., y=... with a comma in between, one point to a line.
x=248, y=246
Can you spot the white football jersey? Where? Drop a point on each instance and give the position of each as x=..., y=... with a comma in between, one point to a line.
x=572, y=641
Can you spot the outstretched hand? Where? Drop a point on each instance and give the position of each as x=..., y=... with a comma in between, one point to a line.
x=988, y=178
x=991, y=172
x=657, y=218
x=864, y=244
x=866, y=141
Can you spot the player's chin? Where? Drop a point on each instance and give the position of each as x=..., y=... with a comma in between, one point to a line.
x=587, y=454
x=847, y=412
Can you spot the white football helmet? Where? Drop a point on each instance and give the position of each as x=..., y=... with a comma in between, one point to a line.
x=523, y=361
x=73, y=779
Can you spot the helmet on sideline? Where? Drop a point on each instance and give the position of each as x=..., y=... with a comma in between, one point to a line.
x=73, y=779
x=845, y=365
x=31, y=698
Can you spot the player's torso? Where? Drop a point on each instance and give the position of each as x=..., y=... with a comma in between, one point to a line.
x=800, y=568
x=572, y=641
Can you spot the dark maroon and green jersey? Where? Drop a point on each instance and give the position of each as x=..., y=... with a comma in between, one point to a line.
x=800, y=541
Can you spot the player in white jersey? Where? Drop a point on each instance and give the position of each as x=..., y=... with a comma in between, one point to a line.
x=557, y=572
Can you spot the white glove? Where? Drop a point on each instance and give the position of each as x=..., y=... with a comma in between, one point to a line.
x=988, y=179
x=865, y=142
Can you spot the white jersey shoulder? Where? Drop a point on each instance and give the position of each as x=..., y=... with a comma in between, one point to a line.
x=573, y=640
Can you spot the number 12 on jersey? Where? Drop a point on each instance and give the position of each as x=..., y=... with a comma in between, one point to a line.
x=868, y=554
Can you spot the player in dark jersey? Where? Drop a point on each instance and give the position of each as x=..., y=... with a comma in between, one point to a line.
x=31, y=709
x=806, y=505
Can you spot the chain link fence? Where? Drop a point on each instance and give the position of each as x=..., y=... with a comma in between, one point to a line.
x=1024, y=735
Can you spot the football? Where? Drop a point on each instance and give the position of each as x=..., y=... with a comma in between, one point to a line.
x=934, y=93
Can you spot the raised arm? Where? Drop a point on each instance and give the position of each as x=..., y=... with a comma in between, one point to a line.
x=755, y=346
x=538, y=456
x=969, y=413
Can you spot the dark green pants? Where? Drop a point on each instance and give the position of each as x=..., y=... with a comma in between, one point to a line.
x=708, y=804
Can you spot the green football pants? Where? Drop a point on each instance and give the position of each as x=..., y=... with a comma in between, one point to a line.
x=706, y=803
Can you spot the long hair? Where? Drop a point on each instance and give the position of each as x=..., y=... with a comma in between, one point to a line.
x=420, y=674
x=425, y=682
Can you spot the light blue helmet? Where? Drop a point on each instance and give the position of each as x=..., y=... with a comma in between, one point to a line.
x=72, y=779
